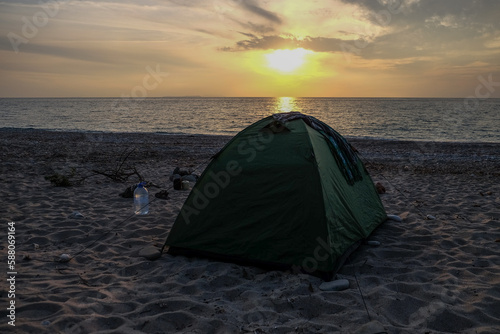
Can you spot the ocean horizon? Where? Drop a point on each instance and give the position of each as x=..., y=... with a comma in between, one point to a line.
x=421, y=119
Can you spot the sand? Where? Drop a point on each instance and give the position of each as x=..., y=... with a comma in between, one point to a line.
x=437, y=271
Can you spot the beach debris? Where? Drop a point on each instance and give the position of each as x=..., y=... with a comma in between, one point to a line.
x=188, y=181
x=180, y=172
x=36, y=246
x=487, y=193
x=395, y=218
x=162, y=194
x=179, y=176
x=373, y=243
x=46, y=323
x=430, y=217
x=177, y=182
x=380, y=188
x=129, y=192
x=64, y=258
x=337, y=285
x=76, y=215
x=150, y=253
x=190, y=178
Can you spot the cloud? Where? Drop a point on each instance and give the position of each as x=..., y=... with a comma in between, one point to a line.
x=266, y=42
x=403, y=38
x=263, y=43
x=100, y=54
x=273, y=42
x=253, y=7
x=58, y=51
x=20, y=2
x=258, y=28
x=411, y=29
x=225, y=7
x=447, y=13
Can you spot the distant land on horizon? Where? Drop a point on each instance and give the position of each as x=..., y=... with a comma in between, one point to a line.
x=241, y=97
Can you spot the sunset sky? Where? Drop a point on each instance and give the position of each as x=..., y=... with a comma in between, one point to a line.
x=338, y=48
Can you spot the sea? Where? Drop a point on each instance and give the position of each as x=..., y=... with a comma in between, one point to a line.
x=420, y=119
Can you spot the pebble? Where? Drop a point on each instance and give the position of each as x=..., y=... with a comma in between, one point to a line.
x=76, y=215
x=395, y=218
x=150, y=253
x=337, y=285
x=373, y=243
x=64, y=258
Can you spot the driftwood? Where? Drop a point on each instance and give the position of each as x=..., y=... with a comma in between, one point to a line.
x=121, y=172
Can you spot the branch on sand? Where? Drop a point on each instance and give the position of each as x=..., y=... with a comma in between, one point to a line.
x=122, y=171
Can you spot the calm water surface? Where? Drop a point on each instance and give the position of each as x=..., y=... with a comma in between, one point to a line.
x=387, y=118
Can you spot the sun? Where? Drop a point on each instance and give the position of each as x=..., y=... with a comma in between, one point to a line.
x=287, y=60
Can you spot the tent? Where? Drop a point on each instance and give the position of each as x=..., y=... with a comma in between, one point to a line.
x=286, y=192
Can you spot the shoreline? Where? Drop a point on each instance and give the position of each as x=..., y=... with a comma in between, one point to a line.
x=430, y=156
x=436, y=271
x=349, y=138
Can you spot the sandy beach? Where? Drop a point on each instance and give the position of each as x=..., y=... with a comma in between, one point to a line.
x=437, y=271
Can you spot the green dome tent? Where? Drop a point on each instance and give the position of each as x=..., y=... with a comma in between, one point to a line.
x=286, y=192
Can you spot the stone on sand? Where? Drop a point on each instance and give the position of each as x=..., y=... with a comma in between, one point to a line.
x=150, y=253
x=337, y=285
x=395, y=218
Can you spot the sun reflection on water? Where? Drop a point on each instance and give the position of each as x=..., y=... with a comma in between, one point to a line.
x=286, y=104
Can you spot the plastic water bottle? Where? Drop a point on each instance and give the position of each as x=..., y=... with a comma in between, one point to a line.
x=141, y=199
